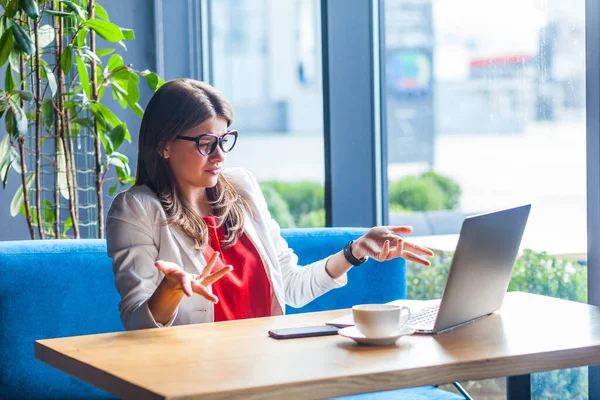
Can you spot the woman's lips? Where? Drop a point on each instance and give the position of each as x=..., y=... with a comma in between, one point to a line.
x=214, y=171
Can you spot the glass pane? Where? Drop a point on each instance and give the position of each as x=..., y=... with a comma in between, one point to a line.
x=485, y=108
x=267, y=62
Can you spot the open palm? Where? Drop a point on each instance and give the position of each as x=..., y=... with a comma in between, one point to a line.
x=177, y=278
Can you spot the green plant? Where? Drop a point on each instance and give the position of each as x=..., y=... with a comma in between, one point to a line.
x=304, y=200
x=426, y=192
x=313, y=219
x=278, y=208
x=534, y=272
x=56, y=95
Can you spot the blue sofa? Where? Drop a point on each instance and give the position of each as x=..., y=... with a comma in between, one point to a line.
x=63, y=288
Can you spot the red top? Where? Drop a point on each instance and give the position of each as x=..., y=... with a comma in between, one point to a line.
x=246, y=291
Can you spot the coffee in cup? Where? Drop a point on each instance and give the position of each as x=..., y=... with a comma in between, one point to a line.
x=379, y=320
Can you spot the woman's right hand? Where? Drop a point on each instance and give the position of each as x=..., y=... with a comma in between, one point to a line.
x=179, y=280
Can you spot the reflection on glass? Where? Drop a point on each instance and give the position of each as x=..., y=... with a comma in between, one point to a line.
x=267, y=62
x=485, y=108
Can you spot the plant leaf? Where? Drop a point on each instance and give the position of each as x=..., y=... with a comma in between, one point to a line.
x=60, y=13
x=137, y=109
x=24, y=94
x=61, y=166
x=4, y=170
x=15, y=58
x=47, y=113
x=68, y=224
x=117, y=135
x=153, y=80
x=23, y=40
x=75, y=8
x=48, y=215
x=103, y=52
x=88, y=123
x=100, y=12
x=83, y=76
x=18, y=199
x=105, y=113
x=9, y=82
x=114, y=62
x=105, y=140
x=6, y=44
x=133, y=94
x=119, y=94
x=47, y=74
x=81, y=36
x=46, y=36
x=87, y=53
x=31, y=8
x=112, y=189
x=128, y=34
x=107, y=30
x=66, y=59
x=19, y=119
x=4, y=149
x=11, y=8
x=10, y=123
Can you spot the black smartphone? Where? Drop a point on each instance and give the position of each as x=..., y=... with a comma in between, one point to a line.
x=305, y=331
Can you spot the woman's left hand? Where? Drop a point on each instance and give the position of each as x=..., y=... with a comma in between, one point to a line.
x=383, y=243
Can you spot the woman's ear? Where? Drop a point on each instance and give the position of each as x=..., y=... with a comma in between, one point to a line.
x=165, y=153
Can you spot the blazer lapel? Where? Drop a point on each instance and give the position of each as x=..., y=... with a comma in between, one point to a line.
x=187, y=245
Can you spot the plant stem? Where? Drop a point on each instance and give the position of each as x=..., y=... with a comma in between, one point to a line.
x=56, y=193
x=60, y=123
x=21, y=142
x=98, y=149
x=38, y=135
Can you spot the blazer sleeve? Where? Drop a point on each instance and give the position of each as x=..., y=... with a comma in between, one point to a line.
x=302, y=283
x=131, y=245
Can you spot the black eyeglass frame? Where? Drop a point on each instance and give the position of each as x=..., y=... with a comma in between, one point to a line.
x=217, y=142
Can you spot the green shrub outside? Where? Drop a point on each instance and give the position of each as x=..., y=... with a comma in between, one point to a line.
x=426, y=192
x=305, y=202
x=278, y=208
x=534, y=272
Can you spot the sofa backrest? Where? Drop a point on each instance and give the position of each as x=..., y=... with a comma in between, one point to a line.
x=64, y=288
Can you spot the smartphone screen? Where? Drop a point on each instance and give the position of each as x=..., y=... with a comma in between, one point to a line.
x=306, y=331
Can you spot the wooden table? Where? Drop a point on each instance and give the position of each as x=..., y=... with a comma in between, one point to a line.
x=236, y=359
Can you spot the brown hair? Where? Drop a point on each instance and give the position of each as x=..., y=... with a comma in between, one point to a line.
x=177, y=106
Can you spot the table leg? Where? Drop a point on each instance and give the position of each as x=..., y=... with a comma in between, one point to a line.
x=518, y=387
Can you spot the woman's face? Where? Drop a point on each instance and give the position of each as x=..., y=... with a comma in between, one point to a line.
x=192, y=169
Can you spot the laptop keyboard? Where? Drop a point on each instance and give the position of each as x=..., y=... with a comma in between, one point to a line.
x=425, y=316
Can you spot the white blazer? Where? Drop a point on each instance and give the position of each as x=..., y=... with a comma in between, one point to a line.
x=137, y=237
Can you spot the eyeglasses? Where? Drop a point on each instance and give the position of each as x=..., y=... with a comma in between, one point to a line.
x=207, y=143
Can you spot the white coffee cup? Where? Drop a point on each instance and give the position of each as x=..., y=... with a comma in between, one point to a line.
x=379, y=320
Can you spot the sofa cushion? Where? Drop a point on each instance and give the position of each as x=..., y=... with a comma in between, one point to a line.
x=50, y=289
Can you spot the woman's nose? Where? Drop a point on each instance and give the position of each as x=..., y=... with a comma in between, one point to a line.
x=218, y=154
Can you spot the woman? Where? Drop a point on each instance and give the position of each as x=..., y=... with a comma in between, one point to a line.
x=171, y=234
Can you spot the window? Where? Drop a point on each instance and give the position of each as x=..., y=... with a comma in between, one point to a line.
x=267, y=62
x=485, y=109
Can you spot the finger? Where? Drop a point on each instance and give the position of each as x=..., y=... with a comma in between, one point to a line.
x=209, y=280
x=211, y=263
x=418, y=249
x=203, y=291
x=396, y=251
x=415, y=258
x=384, y=251
x=186, y=284
x=167, y=267
x=401, y=229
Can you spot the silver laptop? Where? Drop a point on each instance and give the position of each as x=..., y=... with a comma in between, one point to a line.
x=480, y=271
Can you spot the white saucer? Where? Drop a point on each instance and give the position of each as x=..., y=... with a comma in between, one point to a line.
x=354, y=334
